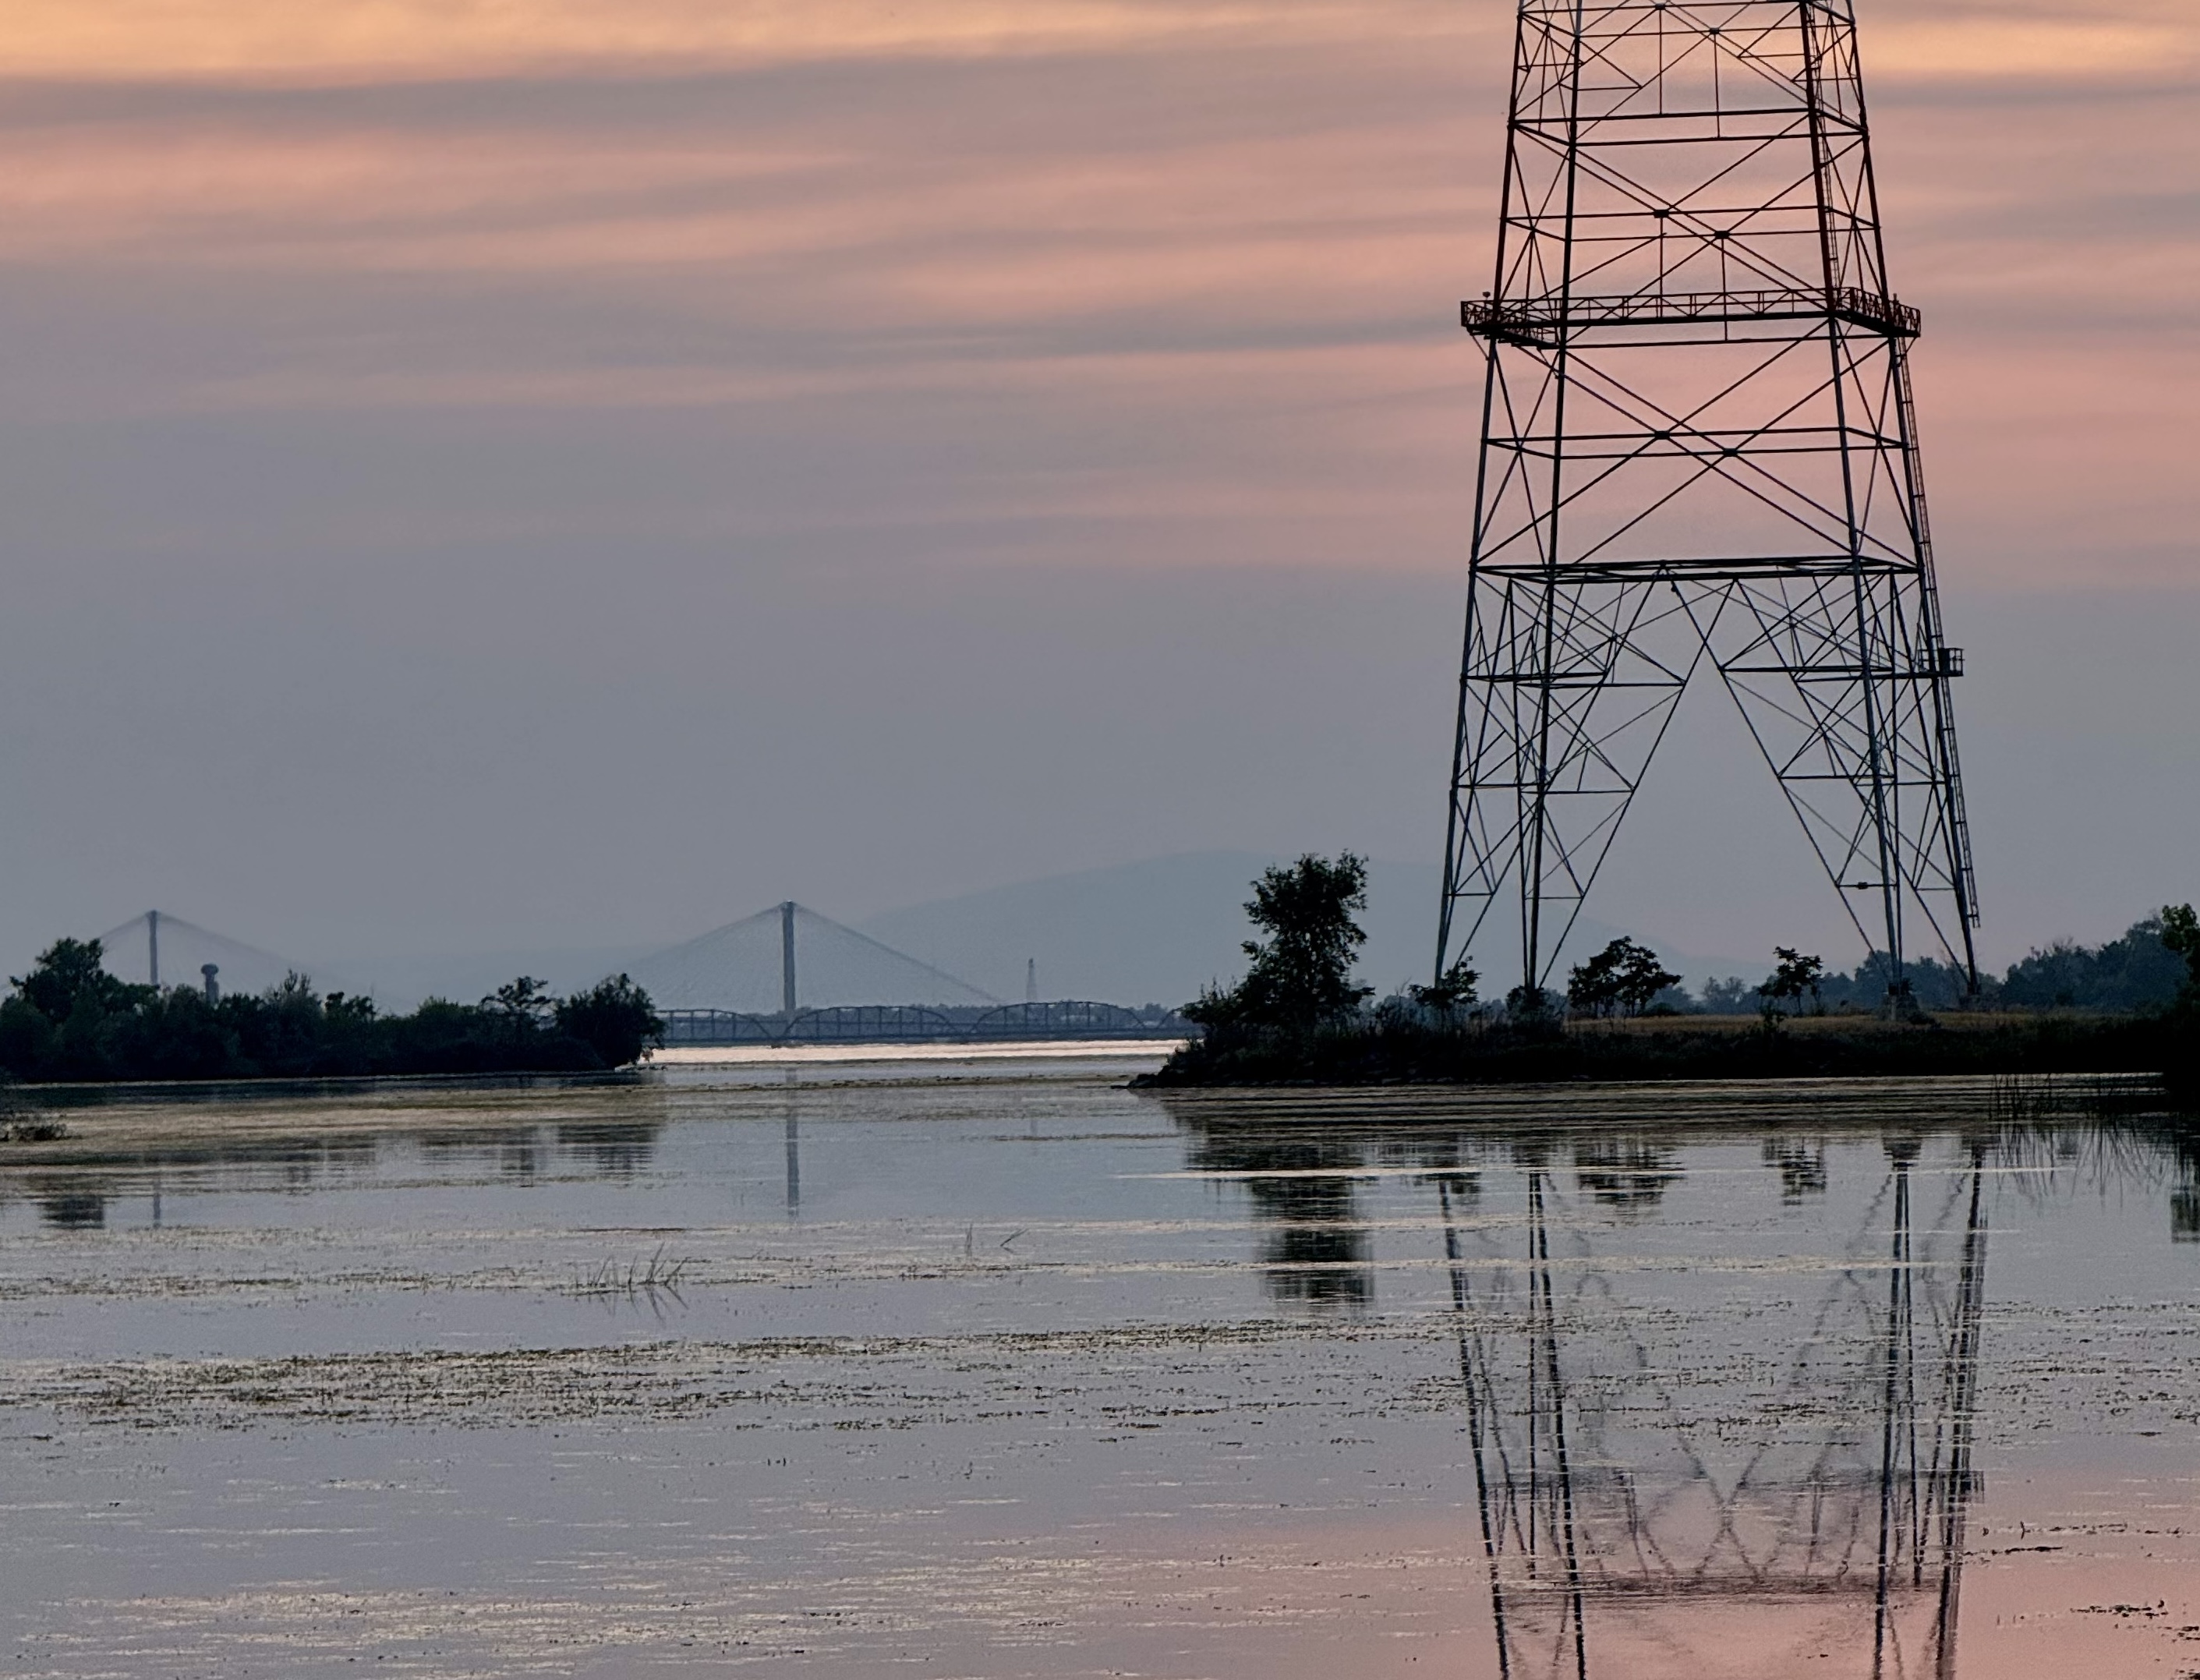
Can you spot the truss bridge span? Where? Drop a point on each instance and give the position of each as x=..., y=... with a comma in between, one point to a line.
x=1079, y=1019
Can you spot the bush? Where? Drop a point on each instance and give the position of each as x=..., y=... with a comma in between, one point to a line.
x=614, y=1018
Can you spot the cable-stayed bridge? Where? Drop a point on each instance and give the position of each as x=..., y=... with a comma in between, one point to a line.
x=156, y=948
x=788, y=956
x=788, y=974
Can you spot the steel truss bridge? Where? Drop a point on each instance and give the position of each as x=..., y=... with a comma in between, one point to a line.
x=914, y=1023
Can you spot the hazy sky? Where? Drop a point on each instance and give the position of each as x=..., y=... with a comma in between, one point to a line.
x=559, y=471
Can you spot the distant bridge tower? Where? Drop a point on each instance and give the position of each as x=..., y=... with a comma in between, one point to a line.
x=787, y=988
x=1699, y=447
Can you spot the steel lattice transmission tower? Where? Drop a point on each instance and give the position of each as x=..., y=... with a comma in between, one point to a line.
x=1699, y=447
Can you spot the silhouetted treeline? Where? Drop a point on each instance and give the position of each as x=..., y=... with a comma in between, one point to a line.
x=1298, y=1017
x=1387, y=1046
x=69, y=1019
x=2134, y=972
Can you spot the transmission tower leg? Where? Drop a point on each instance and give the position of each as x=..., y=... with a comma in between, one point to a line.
x=1954, y=1491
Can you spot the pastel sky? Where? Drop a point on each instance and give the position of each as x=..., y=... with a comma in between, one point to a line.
x=521, y=473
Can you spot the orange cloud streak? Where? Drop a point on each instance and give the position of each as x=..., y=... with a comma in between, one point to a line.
x=129, y=38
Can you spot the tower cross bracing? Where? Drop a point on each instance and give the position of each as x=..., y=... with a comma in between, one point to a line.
x=1698, y=451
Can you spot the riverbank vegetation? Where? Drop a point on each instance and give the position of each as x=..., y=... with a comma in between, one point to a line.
x=1299, y=1017
x=69, y=1019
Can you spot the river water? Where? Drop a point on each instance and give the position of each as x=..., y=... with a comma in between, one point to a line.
x=950, y=1370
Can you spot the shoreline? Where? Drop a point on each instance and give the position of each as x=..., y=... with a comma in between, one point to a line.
x=1399, y=1050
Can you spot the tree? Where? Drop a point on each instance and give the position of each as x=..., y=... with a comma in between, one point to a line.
x=1300, y=977
x=174, y=1034
x=1622, y=977
x=27, y=1037
x=1453, y=989
x=615, y=1018
x=70, y=974
x=524, y=1005
x=1593, y=987
x=1796, y=975
x=2139, y=969
x=1730, y=996
x=282, y=1031
x=1531, y=1004
x=1642, y=977
x=2180, y=932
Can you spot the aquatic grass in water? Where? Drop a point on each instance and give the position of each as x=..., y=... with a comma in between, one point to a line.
x=650, y=1277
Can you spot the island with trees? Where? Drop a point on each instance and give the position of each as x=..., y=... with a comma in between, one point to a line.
x=1297, y=1016
x=69, y=1019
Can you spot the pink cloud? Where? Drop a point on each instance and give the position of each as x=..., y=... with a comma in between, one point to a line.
x=1212, y=252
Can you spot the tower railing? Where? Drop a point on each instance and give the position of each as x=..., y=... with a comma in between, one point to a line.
x=1539, y=323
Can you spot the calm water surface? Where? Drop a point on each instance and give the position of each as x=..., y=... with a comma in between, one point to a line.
x=1006, y=1375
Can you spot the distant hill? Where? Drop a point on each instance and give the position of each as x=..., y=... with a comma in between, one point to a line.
x=1157, y=930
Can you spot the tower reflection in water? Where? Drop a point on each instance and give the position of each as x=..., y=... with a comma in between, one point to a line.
x=1602, y=1509
x=1772, y=1475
